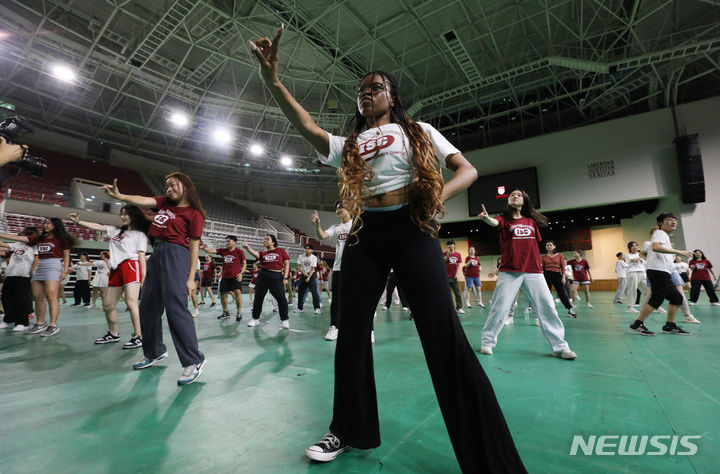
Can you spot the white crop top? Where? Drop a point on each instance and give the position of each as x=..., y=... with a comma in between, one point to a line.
x=387, y=149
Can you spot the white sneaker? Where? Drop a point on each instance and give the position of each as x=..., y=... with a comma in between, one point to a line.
x=714, y=304
x=537, y=322
x=405, y=308
x=385, y=308
x=630, y=309
x=91, y=306
x=297, y=310
x=690, y=319
x=557, y=300
x=3, y=325
x=19, y=328
x=195, y=313
x=480, y=304
x=467, y=303
x=285, y=324
x=329, y=300
x=566, y=354
x=318, y=311
x=588, y=305
x=690, y=303
x=372, y=337
x=332, y=334
x=660, y=310
x=461, y=311
x=487, y=350
x=509, y=321
x=253, y=322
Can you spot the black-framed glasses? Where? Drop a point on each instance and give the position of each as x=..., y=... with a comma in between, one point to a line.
x=374, y=88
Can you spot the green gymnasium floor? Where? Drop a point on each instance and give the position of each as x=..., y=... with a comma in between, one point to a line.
x=68, y=405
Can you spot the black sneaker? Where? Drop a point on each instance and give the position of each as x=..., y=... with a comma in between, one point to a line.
x=224, y=315
x=213, y=304
x=327, y=449
x=672, y=328
x=572, y=313
x=641, y=329
x=238, y=317
x=202, y=302
x=107, y=338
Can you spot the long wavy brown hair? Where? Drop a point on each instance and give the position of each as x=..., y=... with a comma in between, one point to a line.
x=190, y=190
x=426, y=187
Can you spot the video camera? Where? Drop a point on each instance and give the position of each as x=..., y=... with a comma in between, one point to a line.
x=10, y=128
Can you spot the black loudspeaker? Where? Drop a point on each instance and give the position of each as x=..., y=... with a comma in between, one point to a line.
x=106, y=207
x=692, y=179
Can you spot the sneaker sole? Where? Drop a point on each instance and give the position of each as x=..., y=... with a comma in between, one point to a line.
x=107, y=342
x=671, y=333
x=151, y=363
x=637, y=331
x=57, y=330
x=131, y=347
x=325, y=457
x=199, y=373
x=32, y=333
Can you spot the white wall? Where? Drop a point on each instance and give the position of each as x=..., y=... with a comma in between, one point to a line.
x=294, y=217
x=645, y=167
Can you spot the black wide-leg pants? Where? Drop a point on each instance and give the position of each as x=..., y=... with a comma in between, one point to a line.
x=477, y=428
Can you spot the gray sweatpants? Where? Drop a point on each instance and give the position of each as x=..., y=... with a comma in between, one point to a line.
x=539, y=296
x=164, y=290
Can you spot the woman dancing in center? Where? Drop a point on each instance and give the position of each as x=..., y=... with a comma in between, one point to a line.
x=392, y=187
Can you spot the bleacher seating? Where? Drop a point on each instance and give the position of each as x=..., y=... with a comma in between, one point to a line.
x=222, y=210
x=60, y=172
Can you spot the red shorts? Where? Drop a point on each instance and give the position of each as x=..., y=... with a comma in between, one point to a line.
x=127, y=272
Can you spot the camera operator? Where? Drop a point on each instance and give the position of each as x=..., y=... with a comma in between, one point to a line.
x=10, y=153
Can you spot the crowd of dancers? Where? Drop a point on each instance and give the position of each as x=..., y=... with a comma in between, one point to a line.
x=392, y=193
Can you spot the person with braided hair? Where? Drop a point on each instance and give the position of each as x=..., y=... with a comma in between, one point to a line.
x=391, y=184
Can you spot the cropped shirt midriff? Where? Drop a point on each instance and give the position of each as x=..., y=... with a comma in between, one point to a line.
x=388, y=151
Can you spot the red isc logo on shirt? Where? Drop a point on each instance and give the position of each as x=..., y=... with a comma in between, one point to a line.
x=44, y=248
x=342, y=236
x=228, y=259
x=19, y=252
x=375, y=144
x=700, y=266
x=118, y=238
x=522, y=231
x=271, y=257
x=453, y=260
x=160, y=219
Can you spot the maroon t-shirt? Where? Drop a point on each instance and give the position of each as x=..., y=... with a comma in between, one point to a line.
x=556, y=263
x=518, y=245
x=472, y=270
x=580, y=269
x=273, y=259
x=253, y=276
x=208, y=270
x=700, y=269
x=48, y=247
x=453, y=260
x=176, y=224
x=232, y=262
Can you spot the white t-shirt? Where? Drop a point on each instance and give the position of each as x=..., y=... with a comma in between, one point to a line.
x=340, y=233
x=388, y=150
x=660, y=261
x=82, y=272
x=126, y=246
x=621, y=268
x=568, y=272
x=21, y=260
x=102, y=267
x=638, y=266
x=681, y=267
x=307, y=263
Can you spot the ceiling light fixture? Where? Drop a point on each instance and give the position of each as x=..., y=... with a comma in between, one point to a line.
x=180, y=119
x=64, y=73
x=222, y=136
x=285, y=160
x=256, y=149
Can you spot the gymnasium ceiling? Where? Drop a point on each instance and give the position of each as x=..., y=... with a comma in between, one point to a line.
x=483, y=72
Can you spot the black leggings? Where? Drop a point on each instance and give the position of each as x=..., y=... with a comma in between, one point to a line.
x=272, y=281
x=555, y=279
x=17, y=300
x=82, y=292
x=695, y=290
x=474, y=420
x=390, y=288
x=335, y=303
